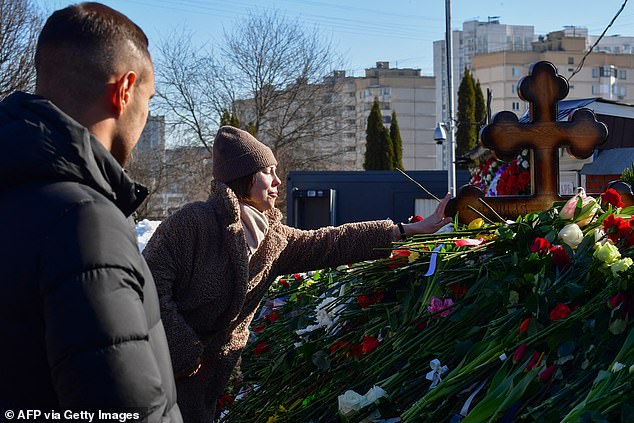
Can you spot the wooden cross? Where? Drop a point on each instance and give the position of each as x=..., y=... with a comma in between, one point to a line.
x=543, y=135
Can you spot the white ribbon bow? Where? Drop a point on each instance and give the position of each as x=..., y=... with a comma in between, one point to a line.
x=436, y=372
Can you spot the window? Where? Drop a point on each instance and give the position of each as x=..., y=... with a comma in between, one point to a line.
x=595, y=90
x=515, y=105
x=386, y=90
x=513, y=88
x=515, y=71
x=622, y=74
x=595, y=72
x=571, y=60
x=387, y=120
x=622, y=92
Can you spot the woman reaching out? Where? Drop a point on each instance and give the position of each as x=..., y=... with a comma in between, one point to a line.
x=213, y=262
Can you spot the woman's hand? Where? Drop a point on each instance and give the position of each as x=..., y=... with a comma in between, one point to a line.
x=431, y=223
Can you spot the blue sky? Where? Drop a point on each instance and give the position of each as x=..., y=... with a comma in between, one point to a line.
x=398, y=31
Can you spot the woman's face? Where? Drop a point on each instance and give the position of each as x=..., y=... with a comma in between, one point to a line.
x=263, y=192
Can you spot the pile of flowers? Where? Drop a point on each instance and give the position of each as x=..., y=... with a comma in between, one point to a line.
x=527, y=320
x=494, y=177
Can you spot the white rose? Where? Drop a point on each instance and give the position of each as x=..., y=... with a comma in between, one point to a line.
x=351, y=402
x=571, y=235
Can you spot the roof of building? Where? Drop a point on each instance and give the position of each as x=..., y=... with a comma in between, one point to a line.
x=610, y=162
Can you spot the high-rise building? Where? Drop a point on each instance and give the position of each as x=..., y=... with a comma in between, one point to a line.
x=475, y=38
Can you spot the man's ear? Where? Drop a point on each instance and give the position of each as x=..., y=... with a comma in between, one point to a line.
x=121, y=93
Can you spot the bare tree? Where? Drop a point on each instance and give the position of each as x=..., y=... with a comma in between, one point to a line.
x=273, y=72
x=186, y=95
x=20, y=24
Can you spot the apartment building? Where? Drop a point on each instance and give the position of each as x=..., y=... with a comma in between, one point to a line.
x=606, y=75
x=338, y=141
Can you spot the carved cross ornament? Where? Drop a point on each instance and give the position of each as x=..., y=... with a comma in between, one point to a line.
x=543, y=135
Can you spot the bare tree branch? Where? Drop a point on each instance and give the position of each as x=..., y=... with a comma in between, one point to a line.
x=20, y=24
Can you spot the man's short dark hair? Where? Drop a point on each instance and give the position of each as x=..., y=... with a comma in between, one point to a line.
x=88, y=41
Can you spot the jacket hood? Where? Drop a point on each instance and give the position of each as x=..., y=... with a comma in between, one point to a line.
x=42, y=144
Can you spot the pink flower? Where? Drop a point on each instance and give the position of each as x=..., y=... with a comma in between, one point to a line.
x=440, y=308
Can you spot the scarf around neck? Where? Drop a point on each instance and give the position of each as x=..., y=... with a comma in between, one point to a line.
x=255, y=225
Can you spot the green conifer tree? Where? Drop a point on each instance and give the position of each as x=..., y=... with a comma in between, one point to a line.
x=466, y=134
x=397, y=143
x=373, y=132
x=225, y=119
x=480, y=108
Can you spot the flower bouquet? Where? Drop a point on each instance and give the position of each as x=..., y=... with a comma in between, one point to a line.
x=495, y=321
x=495, y=178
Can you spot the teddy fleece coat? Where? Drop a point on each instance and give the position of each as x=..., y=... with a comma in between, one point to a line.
x=209, y=290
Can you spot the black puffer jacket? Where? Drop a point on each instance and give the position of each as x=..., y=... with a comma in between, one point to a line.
x=79, y=318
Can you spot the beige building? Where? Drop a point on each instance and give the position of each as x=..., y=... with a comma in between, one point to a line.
x=606, y=75
x=338, y=141
x=412, y=97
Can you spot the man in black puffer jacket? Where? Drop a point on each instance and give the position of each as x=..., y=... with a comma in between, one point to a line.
x=79, y=317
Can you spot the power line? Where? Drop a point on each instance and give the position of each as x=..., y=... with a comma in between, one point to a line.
x=583, y=59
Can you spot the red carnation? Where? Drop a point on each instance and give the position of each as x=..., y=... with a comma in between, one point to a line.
x=297, y=276
x=259, y=328
x=610, y=196
x=540, y=245
x=561, y=311
x=524, y=325
x=272, y=317
x=261, y=348
x=285, y=283
x=414, y=219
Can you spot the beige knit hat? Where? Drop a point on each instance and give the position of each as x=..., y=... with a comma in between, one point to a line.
x=236, y=153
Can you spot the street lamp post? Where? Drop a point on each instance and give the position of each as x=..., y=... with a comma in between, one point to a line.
x=451, y=161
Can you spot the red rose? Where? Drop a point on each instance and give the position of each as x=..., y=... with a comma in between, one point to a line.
x=524, y=179
x=524, y=325
x=297, y=276
x=414, y=219
x=610, y=196
x=540, y=245
x=560, y=257
x=545, y=374
x=261, y=348
x=285, y=283
x=272, y=317
x=369, y=344
x=561, y=311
